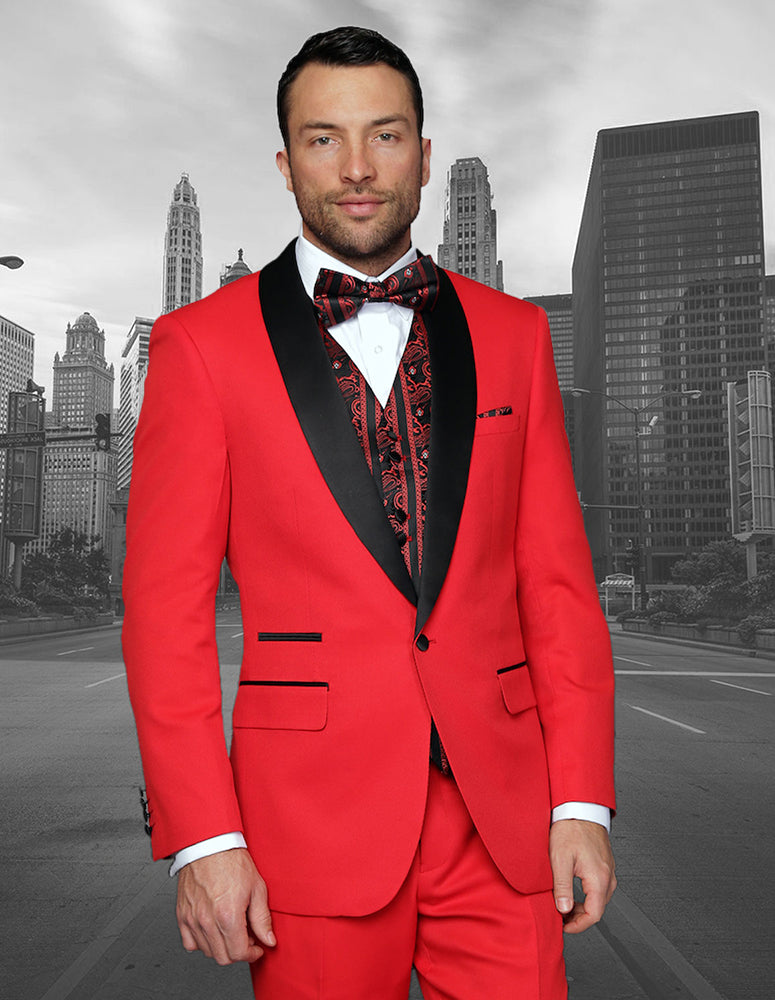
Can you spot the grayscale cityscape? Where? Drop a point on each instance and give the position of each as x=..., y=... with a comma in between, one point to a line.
x=664, y=344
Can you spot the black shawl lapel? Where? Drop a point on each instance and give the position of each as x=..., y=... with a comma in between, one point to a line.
x=322, y=413
x=453, y=417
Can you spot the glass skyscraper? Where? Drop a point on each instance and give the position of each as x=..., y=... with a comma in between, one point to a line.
x=668, y=294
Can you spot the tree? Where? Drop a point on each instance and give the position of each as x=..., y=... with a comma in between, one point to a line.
x=74, y=570
x=718, y=562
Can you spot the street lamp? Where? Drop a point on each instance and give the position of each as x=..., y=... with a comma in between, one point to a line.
x=11, y=261
x=637, y=412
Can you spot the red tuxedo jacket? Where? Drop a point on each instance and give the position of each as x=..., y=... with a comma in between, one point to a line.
x=245, y=447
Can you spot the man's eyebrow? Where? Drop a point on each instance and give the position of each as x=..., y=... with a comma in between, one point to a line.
x=376, y=123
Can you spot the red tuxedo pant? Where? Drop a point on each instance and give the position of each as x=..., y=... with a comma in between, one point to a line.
x=469, y=935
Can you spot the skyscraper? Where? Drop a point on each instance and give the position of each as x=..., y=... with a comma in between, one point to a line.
x=134, y=365
x=769, y=315
x=182, y=249
x=469, y=245
x=78, y=480
x=668, y=285
x=559, y=310
x=17, y=353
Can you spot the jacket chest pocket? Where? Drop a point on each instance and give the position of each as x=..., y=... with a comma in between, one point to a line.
x=281, y=705
x=516, y=688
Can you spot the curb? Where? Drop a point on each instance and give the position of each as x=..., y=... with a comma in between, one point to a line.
x=765, y=654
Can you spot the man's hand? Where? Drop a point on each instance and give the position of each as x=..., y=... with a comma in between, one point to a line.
x=222, y=908
x=580, y=848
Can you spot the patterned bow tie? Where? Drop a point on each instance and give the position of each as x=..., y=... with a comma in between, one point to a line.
x=339, y=296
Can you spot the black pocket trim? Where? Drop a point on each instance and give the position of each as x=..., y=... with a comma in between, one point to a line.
x=298, y=684
x=290, y=636
x=505, y=670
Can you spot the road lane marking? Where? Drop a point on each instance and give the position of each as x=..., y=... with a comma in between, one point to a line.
x=664, y=718
x=105, y=680
x=67, y=983
x=741, y=688
x=654, y=962
x=626, y=659
x=237, y=635
x=691, y=673
x=83, y=649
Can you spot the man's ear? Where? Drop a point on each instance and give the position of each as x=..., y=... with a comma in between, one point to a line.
x=426, y=161
x=283, y=162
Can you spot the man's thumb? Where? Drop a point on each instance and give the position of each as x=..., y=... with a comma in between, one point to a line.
x=260, y=919
x=563, y=894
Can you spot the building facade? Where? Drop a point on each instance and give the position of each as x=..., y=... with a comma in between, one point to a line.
x=17, y=356
x=559, y=311
x=182, y=249
x=668, y=295
x=470, y=244
x=134, y=365
x=79, y=481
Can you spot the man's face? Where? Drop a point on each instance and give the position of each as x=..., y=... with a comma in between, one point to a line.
x=355, y=162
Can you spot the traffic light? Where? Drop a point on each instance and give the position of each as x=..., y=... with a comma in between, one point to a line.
x=102, y=432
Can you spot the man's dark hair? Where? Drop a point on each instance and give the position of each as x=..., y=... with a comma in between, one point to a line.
x=347, y=46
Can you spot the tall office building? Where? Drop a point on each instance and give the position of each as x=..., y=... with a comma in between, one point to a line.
x=668, y=288
x=182, y=249
x=469, y=245
x=78, y=480
x=17, y=355
x=559, y=311
x=769, y=316
x=134, y=365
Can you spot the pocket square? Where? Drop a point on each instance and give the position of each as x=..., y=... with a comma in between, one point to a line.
x=499, y=411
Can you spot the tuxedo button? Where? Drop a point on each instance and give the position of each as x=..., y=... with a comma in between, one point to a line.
x=422, y=642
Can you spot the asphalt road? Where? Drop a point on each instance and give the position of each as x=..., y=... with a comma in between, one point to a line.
x=86, y=916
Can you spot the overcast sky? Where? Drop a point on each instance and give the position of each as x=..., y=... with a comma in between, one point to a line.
x=105, y=103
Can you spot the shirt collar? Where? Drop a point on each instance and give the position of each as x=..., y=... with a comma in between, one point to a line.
x=310, y=259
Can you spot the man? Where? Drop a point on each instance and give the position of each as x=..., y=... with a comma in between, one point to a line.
x=426, y=680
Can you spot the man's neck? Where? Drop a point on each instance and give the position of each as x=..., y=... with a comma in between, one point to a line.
x=371, y=265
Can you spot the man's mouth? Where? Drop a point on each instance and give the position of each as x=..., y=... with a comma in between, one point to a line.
x=358, y=206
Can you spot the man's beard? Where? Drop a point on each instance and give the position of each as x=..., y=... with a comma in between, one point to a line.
x=356, y=241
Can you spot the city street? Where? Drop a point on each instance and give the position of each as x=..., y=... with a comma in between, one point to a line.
x=86, y=915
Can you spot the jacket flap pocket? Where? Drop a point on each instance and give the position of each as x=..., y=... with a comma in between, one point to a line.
x=516, y=688
x=281, y=705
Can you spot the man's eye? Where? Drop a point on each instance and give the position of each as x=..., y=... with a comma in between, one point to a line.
x=386, y=136
x=323, y=140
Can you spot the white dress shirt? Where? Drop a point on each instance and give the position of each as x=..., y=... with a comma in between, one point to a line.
x=374, y=339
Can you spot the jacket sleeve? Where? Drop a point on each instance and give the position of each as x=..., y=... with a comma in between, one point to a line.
x=177, y=529
x=566, y=638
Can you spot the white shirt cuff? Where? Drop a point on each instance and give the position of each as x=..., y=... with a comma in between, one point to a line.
x=223, y=842
x=583, y=810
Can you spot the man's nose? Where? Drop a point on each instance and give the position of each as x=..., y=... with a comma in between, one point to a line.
x=357, y=165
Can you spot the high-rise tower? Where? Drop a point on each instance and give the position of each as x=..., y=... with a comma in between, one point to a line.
x=78, y=480
x=134, y=365
x=668, y=289
x=17, y=350
x=182, y=249
x=469, y=245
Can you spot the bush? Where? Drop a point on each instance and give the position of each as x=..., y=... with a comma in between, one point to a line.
x=662, y=617
x=749, y=626
x=629, y=614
